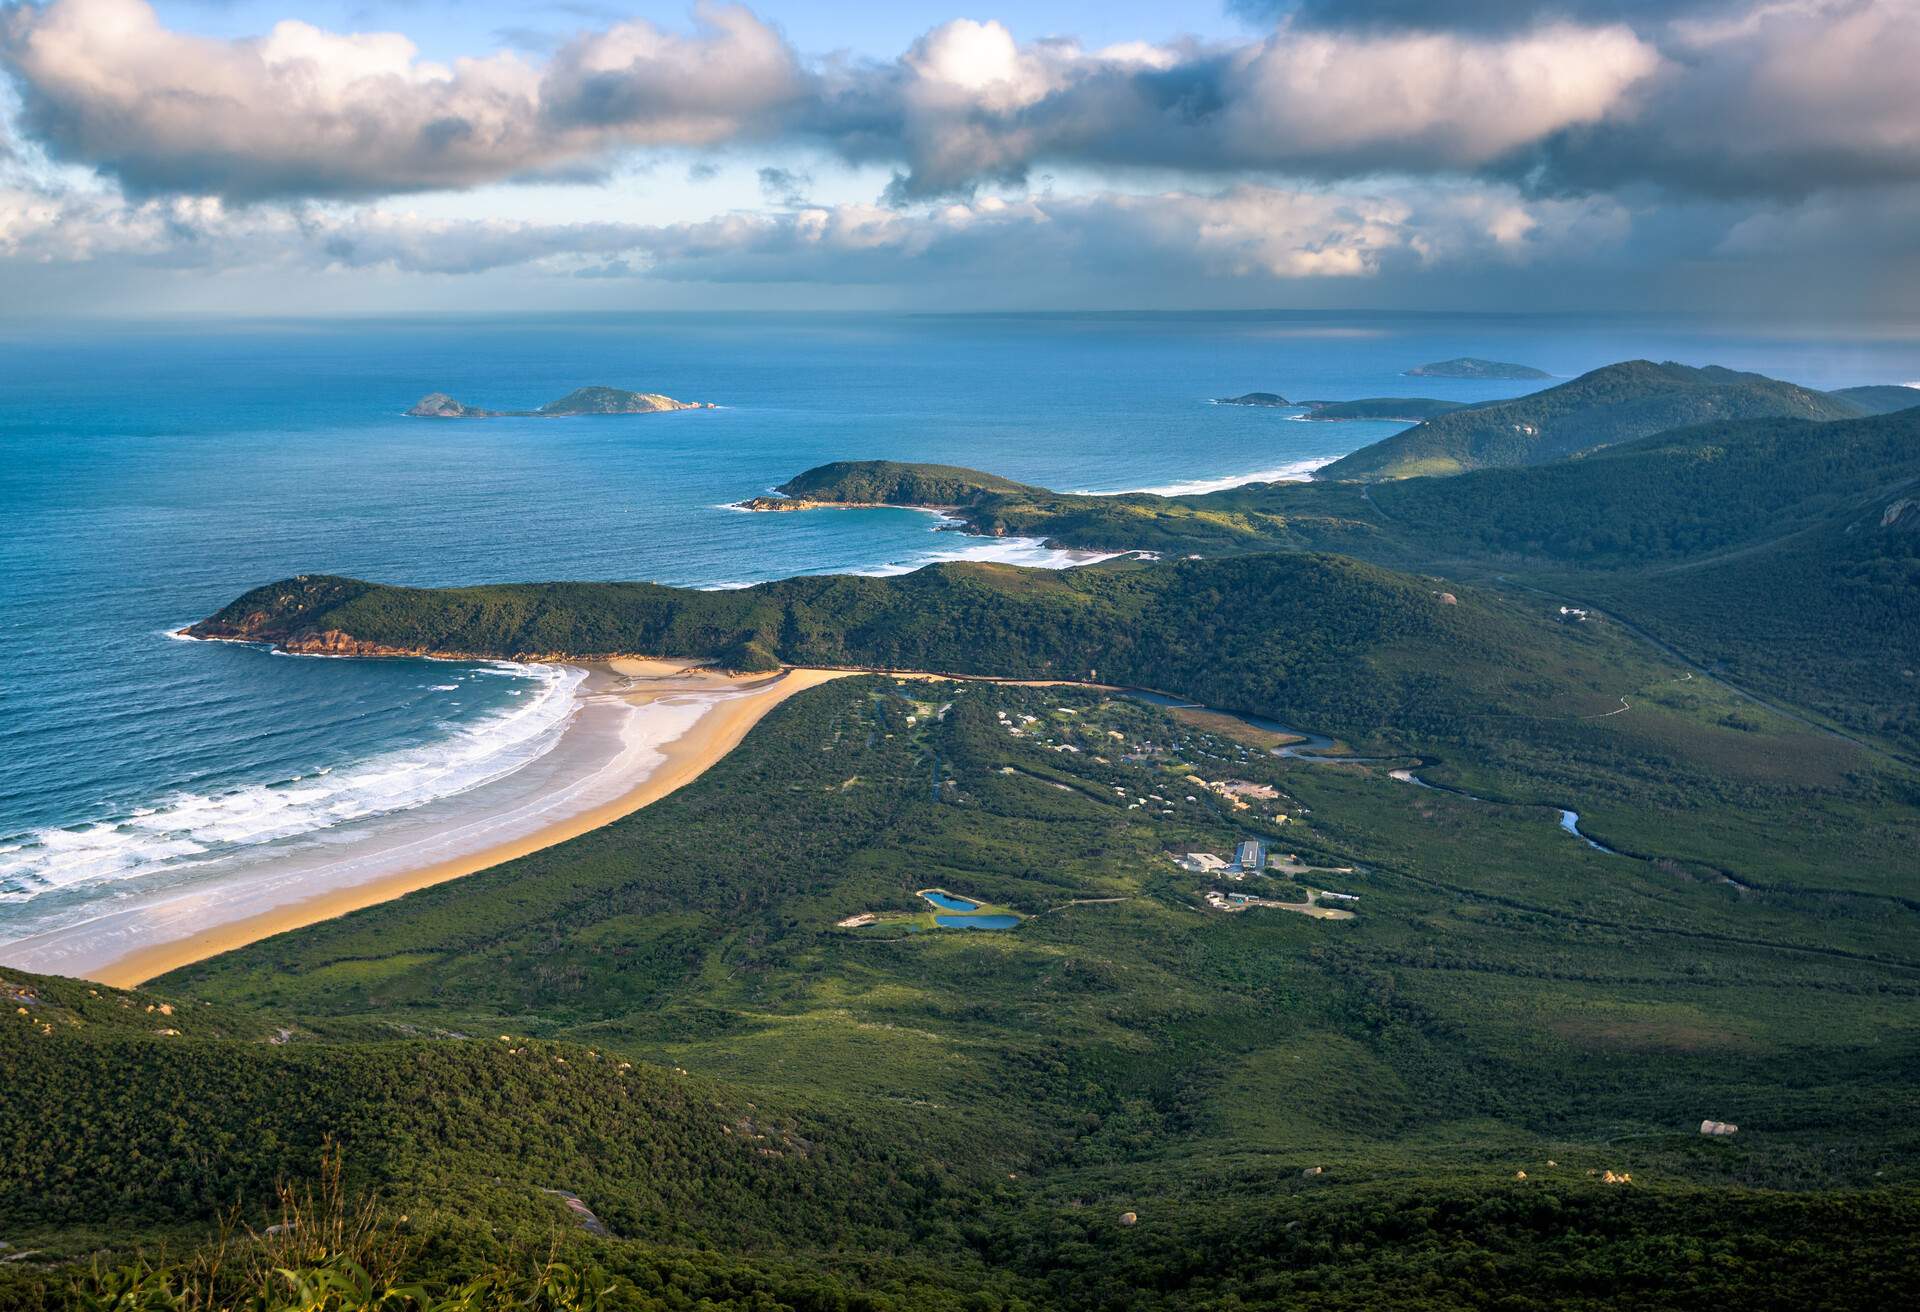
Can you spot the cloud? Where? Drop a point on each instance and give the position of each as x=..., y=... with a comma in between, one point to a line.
x=784, y=187
x=967, y=104
x=302, y=112
x=1760, y=98
x=1780, y=99
x=1468, y=15
x=1244, y=232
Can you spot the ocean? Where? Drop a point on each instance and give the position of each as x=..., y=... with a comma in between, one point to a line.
x=149, y=474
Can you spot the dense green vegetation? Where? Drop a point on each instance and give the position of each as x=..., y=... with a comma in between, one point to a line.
x=1678, y=495
x=1749, y=545
x=1411, y=408
x=1880, y=399
x=960, y=1119
x=1775, y=550
x=1614, y=404
x=890, y=483
x=1131, y=1100
x=1323, y=640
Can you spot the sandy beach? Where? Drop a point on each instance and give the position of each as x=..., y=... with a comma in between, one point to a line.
x=643, y=728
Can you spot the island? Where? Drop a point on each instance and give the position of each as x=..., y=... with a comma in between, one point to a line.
x=580, y=401
x=1255, y=398
x=1468, y=366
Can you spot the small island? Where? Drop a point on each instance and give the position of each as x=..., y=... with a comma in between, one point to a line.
x=580, y=401
x=1468, y=366
x=1254, y=398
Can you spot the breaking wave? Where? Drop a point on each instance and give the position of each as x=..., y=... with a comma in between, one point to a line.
x=187, y=827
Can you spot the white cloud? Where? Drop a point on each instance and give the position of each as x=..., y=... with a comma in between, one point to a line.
x=1244, y=232
x=302, y=112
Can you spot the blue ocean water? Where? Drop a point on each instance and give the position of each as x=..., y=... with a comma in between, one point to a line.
x=150, y=474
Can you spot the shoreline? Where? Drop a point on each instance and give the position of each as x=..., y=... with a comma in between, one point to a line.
x=730, y=705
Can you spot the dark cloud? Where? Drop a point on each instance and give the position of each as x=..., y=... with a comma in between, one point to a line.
x=1470, y=15
x=784, y=187
x=1785, y=101
x=1760, y=98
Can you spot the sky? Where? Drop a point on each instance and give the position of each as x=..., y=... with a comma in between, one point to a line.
x=1754, y=159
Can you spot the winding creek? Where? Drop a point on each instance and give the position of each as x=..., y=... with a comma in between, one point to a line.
x=1569, y=820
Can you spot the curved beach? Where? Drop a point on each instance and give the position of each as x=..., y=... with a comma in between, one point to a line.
x=641, y=730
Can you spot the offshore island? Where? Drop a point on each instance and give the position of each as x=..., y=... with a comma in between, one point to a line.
x=580, y=401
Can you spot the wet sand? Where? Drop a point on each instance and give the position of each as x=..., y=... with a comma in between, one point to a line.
x=687, y=720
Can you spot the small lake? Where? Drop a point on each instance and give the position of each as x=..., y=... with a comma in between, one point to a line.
x=947, y=901
x=976, y=922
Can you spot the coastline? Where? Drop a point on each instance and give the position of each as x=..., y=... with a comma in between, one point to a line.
x=129, y=945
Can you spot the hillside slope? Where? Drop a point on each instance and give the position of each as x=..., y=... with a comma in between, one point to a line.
x=1324, y=638
x=1508, y=998
x=1618, y=403
x=1783, y=551
x=1880, y=399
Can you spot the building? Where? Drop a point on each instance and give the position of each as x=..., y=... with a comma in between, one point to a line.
x=1251, y=855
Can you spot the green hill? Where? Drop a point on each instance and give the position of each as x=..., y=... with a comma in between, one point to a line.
x=1781, y=550
x=1880, y=399
x=1410, y=408
x=952, y=1119
x=1324, y=638
x=1482, y=1089
x=890, y=483
x=1619, y=403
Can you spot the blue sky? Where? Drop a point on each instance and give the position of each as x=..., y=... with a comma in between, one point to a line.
x=445, y=31
x=1748, y=157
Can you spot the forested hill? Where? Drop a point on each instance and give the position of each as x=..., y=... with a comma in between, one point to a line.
x=1673, y=495
x=892, y=483
x=1750, y=543
x=1785, y=552
x=1618, y=403
x=1324, y=640
x=1881, y=399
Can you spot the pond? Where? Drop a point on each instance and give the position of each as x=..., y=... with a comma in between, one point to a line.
x=976, y=922
x=947, y=901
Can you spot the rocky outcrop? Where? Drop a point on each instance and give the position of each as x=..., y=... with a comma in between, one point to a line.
x=1253, y=398
x=580, y=401
x=438, y=405
x=809, y=503
x=1902, y=514
x=613, y=401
